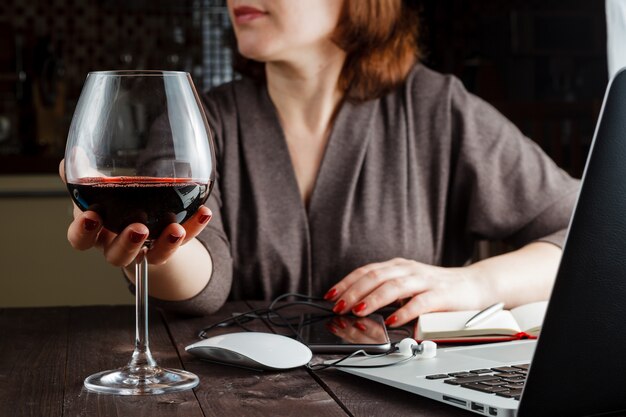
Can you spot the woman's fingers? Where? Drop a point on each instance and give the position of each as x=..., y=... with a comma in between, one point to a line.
x=123, y=249
x=62, y=170
x=369, y=283
x=165, y=246
x=366, y=280
x=86, y=231
x=175, y=235
x=83, y=231
x=196, y=223
x=422, y=303
x=337, y=291
x=400, y=287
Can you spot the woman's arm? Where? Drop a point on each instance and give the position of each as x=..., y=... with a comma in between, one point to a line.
x=518, y=277
x=521, y=276
x=183, y=276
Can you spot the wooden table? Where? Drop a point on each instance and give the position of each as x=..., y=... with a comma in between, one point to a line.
x=45, y=353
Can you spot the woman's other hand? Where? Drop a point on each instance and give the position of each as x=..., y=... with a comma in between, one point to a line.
x=419, y=287
x=515, y=278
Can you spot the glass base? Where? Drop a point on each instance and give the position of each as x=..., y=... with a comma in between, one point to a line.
x=145, y=380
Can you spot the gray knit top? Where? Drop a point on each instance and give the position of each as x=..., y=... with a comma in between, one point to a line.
x=422, y=173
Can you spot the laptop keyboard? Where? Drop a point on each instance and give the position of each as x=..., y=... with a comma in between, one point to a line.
x=505, y=381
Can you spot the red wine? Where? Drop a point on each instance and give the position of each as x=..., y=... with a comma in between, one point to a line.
x=155, y=202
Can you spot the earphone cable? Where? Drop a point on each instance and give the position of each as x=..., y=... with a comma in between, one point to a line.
x=270, y=313
x=336, y=364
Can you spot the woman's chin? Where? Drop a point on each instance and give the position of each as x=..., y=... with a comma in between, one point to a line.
x=252, y=47
x=253, y=52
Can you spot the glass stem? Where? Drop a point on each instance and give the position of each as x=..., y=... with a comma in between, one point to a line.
x=142, y=357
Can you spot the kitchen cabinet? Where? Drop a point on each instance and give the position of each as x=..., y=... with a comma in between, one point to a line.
x=38, y=267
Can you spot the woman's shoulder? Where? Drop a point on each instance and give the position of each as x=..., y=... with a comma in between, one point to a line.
x=428, y=97
x=225, y=103
x=231, y=91
x=429, y=90
x=425, y=84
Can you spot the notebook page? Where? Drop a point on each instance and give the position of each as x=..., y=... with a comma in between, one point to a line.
x=530, y=316
x=452, y=323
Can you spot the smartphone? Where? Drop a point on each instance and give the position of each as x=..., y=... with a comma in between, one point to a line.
x=344, y=334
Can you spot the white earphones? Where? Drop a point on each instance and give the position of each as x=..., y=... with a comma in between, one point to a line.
x=409, y=347
x=406, y=350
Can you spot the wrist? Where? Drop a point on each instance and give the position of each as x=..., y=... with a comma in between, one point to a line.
x=486, y=289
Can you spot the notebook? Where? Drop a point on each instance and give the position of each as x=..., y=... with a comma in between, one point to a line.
x=576, y=366
x=522, y=322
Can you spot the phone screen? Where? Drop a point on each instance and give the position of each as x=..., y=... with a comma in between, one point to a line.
x=341, y=334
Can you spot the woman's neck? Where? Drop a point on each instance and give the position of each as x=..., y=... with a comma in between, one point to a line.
x=306, y=94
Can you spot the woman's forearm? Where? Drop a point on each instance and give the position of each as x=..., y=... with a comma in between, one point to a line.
x=183, y=276
x=521, y=276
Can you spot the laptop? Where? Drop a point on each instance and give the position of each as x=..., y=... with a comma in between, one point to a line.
x=577, y=366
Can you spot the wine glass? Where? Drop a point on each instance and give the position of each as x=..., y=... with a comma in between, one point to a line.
x=139, y=150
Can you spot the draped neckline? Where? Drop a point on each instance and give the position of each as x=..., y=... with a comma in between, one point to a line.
x=344, y=148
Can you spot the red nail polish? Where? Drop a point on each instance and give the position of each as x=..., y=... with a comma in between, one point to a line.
x=391, y=320
x=90, y=225
x=330, y=294
x=174, y=239
x=359, y=307
x=360, y=326
x=137, y=237
x=203, y=218
x=339, y=306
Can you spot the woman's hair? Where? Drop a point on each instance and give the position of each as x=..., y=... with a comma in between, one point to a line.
x=380, y=40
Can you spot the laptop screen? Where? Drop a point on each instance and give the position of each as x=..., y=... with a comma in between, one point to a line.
x=579, y=363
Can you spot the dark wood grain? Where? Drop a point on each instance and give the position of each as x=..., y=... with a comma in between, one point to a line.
x=102, y=338
x=362, y=397
x=226, y=390
x=33, y=346
x=45, y=354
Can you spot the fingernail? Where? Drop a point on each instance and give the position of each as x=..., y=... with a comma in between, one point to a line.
x=203, y=218
x=90, y=225
x=391, y=320
x=359, y=307
x=331, y=328
x=137, y=237
x=360, y=326
x=174, y=239
x=339, y=306
x=330, y=294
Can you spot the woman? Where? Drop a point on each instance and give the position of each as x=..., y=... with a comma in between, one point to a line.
x=346, y=168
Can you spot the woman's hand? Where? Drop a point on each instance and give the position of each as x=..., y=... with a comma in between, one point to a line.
x=420, y=288
x=86, y=231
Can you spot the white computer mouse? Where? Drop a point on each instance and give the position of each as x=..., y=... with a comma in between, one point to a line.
x=253, y=350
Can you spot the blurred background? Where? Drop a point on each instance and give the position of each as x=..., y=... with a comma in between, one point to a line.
x=541, y=63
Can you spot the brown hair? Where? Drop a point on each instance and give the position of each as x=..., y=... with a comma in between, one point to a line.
x=380, y=41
